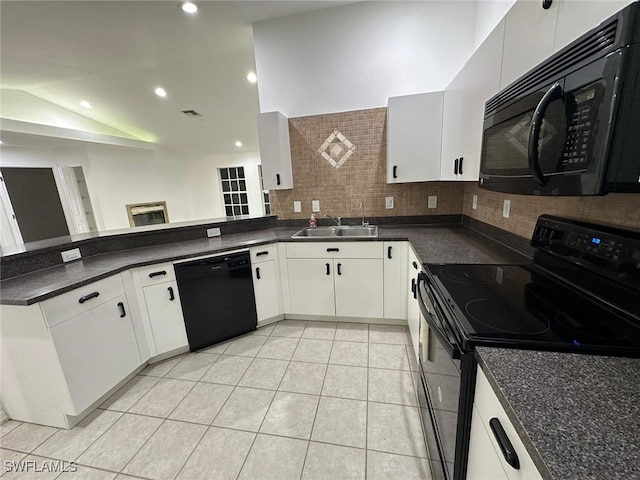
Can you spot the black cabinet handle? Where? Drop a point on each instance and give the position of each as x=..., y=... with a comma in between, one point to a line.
x=389, y=252
x=157, y=274
x=172, y=297
x=415, y=265
x=277, y=179
x=88, y=297
x=328, y=269
x=122, y=312
x=259, y=254
x=258, y=273
x=455, y=166
x=395, y=171
x=413, y=287
x=460, y=165
x=508, y=451
x=333, y=249
x=339, y=271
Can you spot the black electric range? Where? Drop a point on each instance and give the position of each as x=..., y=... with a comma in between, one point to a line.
x=581, y=294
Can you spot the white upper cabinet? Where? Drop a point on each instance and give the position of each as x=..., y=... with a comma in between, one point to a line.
x=528, y=38
x=414, y=136
x=275, y=151
x=578, y=17
x=452, y=128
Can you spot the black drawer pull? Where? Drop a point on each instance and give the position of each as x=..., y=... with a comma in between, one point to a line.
x=508, y=451
x=455, y=166
x=460, y=165
x=415, y=265
x=333, y=249
x=277, y=179
x=389, y=252
x=258, y=273
x=88, y=297
x=259, y=254
x=122, y=312
x=172, y=296
x=413, y=287
x=328, y=269
x=395, y=171
x=339, y=269
x=157, y=274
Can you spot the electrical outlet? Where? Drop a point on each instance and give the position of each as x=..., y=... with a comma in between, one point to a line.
x=69, y=255
x=213, y=232
x=389, y=202
x=433, y=201
x=315, y=205
x=474, y=203
x=297, y=206
x=506, y=208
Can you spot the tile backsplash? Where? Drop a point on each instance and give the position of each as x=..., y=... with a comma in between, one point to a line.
x=615, y=209
x=361, y=178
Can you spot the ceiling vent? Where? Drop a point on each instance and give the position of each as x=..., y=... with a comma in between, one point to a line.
x=191, y=113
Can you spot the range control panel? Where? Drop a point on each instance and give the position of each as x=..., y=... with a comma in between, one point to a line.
x=603, y=249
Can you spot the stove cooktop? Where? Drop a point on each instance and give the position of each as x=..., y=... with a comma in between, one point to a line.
x=523, y=307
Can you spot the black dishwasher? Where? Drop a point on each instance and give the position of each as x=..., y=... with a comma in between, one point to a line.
x=217, y=298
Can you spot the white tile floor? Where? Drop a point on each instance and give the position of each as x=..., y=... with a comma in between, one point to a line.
x=293, y=400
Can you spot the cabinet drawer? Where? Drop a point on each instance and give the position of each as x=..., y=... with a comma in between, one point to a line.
x=335, y=250
x=262, y=253
x=70, y=304
x=159, y=273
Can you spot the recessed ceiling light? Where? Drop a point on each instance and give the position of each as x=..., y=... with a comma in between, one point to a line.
x=189, y=7
x=85, y=104
x=161, y=92
x=252, y=77
x=238, y=143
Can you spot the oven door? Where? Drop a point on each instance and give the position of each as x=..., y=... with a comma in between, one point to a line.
x=439, y=392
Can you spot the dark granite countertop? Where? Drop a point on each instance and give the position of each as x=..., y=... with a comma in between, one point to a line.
x=432, y=244
x=578, y=415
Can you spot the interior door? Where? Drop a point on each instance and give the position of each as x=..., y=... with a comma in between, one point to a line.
x=74, y=200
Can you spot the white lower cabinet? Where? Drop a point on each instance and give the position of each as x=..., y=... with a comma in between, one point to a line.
x=395, y=280
x=165, y=315
x=96, y=349
x=359, y=287
x=413, y=309
x=266, y=282
x=486, y=460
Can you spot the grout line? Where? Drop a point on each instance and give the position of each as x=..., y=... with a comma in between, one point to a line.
x=366, y=421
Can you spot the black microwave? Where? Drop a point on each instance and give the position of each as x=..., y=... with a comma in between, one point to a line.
x=570, y=126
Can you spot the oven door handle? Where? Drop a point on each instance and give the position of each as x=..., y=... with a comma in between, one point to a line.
x=429, y=312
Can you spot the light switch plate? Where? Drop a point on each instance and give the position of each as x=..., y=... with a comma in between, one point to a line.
x=69, y=255
x=389, y=202
x=506, y=208
x=315, y=205
x=474, y=204
x=433, y=201
x=297, y=206
x=213, y=232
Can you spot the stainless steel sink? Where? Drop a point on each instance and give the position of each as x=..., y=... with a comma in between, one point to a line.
x=337, y=231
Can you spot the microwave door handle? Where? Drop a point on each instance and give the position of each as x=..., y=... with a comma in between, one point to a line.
x=554, y=92
x=425, y=308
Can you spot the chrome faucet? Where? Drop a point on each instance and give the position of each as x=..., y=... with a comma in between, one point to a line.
x=362, y=207
x=338, y=220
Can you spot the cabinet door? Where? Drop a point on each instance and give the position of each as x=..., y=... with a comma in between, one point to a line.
x=452, y=128
x=275, y=151
x=311, y=286
x=359, y=288
x=528, y=38
x=395, y=280
x=165, y=315
x=97, y=349
x=413, y=310
x=414, y=136
x=265, y=287
x=578, y=17
x=484, y=461
x=481, y=82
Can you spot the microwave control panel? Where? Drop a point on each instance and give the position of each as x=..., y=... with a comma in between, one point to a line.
x=581, y=108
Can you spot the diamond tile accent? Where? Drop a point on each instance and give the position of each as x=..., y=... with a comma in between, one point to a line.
x=336, y=149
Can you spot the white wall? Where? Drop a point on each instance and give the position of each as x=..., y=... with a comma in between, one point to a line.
x=356, y=56
x=488, y=15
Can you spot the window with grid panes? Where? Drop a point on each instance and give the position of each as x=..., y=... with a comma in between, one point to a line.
x=234, y=191
x=266, y=201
